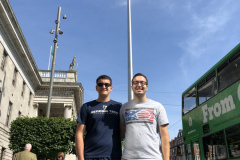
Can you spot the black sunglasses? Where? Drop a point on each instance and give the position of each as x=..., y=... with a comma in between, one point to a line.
x=105, y=84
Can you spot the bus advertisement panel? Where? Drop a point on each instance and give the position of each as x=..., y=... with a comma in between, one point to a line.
x=216, y=112
x=211, y=112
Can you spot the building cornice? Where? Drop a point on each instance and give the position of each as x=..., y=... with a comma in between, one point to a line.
x=71, y=90
x=17, y=43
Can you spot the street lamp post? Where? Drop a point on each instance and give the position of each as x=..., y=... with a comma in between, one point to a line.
x=58, y=31
x=130, y=68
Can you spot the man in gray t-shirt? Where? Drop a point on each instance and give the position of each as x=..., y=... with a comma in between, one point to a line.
x=141, y=121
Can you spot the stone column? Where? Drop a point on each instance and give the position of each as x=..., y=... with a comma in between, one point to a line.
x=67, y=111
x=35, y=109
x=74, y=112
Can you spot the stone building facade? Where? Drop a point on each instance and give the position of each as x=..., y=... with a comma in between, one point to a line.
x=23, y=88
x=67, y=95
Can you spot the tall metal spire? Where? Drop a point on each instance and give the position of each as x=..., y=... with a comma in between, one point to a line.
x=130, y=68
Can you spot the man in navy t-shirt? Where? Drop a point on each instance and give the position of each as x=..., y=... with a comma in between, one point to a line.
x=99, y=119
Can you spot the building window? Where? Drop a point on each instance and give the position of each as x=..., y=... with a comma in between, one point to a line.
x=30, y=97
x=228, y=73
x=14, y=76
x=212, y=143
x=207, y=88
x=189, y=101
x=3, y=60
x=23, y=88
x=0, y=95
x=2, y=87
x=19, y=114
x=9, y=113
x=233, y=141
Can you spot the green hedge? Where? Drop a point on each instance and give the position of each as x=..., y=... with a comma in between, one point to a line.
x=48, y=136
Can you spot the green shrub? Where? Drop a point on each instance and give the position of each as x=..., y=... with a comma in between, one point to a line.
x=48, y=136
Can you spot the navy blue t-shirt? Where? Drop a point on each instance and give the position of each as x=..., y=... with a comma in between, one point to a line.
x=102, y=126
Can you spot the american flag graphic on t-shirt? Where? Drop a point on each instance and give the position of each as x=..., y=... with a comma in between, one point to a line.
x=139, y=116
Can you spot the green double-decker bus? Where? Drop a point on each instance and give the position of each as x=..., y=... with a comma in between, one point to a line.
x=211, y=112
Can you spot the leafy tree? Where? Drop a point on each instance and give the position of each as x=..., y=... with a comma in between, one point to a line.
x=48, y=136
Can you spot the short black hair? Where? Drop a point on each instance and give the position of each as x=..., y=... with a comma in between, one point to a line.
x=104, y=77
x=140, y=74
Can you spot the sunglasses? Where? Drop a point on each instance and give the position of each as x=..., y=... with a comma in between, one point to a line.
x=105, y=84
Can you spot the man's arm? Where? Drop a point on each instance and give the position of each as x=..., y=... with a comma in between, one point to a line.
x=81, y=128
x=165, y=141
x=122, y=131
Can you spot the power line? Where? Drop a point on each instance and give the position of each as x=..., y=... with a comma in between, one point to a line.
x=58, y=67
x=172, y=105
x=174, y=124
x=148, y=91
x=124, y=102
x=164, y=92
x=88, y=95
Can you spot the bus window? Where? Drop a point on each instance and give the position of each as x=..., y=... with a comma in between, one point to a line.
x=188, y=152
x=189, y=100
x=214, y=146
x=207, y=88
x=196, y=151
x=233, y=141
x=229, y=74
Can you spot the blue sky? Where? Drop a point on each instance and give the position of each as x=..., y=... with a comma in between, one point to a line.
x=174, y=42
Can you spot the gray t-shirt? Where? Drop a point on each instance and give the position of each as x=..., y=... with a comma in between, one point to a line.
x=142, y=121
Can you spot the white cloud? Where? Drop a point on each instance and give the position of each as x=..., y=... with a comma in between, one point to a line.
x=203, y=26
x=206, y=28
x=122, y=2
